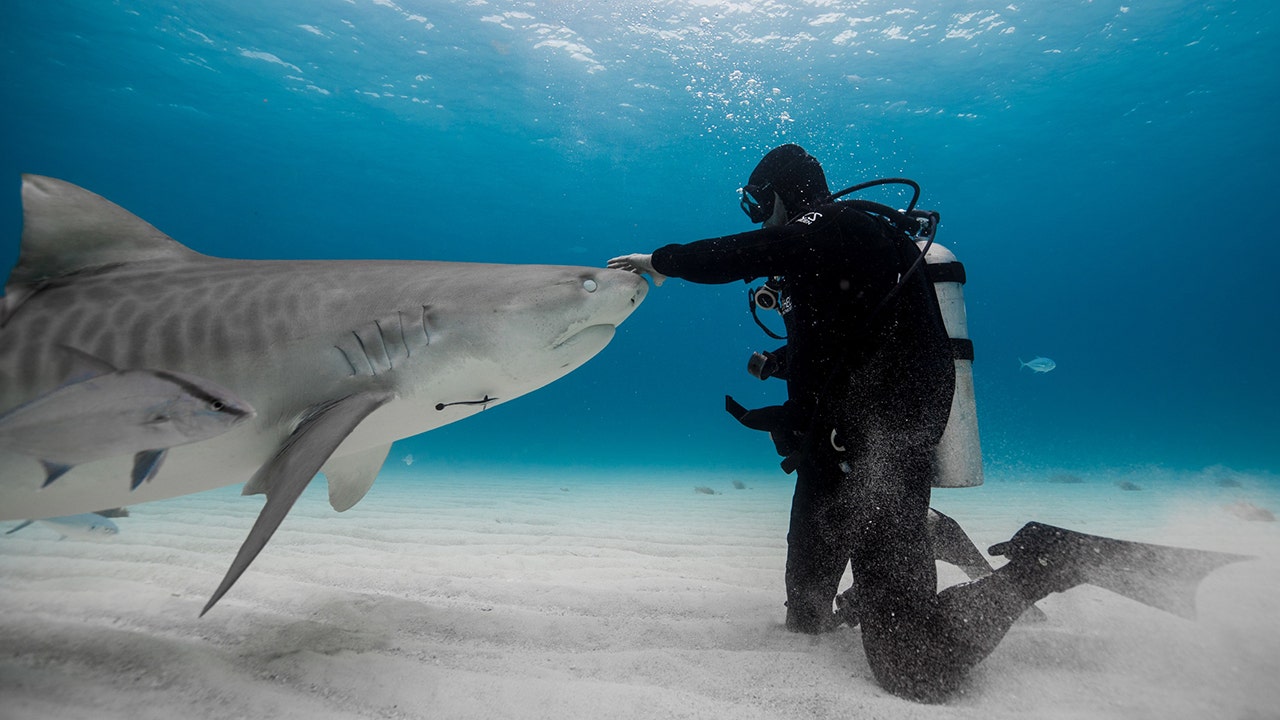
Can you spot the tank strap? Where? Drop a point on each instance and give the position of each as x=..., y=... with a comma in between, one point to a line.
x=962, y=348
x=945, y=272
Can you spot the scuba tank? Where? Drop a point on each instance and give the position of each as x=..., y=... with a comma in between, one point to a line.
x=960, y=452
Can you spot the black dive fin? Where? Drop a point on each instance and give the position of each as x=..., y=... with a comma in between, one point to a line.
x=287, y=474
x=952, y=545
x=1161, y=576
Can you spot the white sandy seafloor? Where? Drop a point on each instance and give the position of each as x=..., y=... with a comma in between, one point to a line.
x=497, y=595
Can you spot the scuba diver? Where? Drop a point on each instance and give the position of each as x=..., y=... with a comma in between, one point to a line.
x=871, y=374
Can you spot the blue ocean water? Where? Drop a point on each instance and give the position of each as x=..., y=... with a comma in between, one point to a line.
x=1105, y=170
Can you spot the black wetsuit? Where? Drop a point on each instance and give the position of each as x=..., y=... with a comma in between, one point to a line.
x=884, y=385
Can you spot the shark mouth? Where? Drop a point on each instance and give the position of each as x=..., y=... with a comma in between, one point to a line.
x=572, y=337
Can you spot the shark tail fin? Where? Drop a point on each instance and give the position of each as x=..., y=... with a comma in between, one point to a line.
x=287, y=474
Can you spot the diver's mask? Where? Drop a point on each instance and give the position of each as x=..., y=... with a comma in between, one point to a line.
x=757, y=202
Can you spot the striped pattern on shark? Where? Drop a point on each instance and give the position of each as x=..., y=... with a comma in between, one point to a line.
x=340, y=358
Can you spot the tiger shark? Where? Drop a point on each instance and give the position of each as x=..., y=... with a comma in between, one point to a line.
x=339, y=358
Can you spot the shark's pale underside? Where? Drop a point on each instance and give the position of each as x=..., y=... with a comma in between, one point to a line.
x=340, y=358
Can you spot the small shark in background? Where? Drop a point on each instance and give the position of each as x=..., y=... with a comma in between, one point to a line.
x=1040, y=364
x=339, y=358
x=89, y=526
x=102, y=412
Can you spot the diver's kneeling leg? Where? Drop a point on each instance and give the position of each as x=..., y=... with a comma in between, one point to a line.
x=817, y=550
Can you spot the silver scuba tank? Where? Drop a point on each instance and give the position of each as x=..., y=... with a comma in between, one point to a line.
x=960, y=452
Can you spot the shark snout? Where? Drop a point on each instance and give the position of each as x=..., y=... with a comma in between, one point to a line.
x=612, y=295
x=632, y=287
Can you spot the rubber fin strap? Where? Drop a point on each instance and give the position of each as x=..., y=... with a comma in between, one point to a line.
x=287, y=474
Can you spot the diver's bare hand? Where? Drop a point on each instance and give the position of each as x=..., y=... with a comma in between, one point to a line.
x=639, y=264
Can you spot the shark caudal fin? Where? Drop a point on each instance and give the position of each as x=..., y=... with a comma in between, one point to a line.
x=1161, y=576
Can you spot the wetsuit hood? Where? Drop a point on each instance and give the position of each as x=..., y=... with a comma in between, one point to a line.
x=794, y=174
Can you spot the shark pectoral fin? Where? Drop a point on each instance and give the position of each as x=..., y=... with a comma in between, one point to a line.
x=286, y=474
x=351, y=476
x=145, y=466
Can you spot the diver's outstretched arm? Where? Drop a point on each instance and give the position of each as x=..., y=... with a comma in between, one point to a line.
x=638, y=263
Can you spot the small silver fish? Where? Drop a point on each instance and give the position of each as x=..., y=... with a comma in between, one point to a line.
x=1040, y=364
x=103, y=412
x=408, y=459
x=85, y=525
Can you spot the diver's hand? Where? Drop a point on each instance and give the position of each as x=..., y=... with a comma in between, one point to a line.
x=639, y=264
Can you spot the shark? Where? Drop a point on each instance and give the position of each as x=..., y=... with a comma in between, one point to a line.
x=339, y=358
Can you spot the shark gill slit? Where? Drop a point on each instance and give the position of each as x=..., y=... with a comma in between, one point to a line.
x=404, y=337
x=382, y=338
x=347, y=358
x=365, y=350
x=426, y=336
x=406, y=344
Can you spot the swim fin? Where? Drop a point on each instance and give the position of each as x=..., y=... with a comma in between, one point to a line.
x=952, y=545
x=1053, y=559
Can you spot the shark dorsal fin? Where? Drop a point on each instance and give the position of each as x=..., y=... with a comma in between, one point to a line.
x=68, y=230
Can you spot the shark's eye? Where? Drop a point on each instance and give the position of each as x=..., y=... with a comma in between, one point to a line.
x=589, y=285
x=216, y=405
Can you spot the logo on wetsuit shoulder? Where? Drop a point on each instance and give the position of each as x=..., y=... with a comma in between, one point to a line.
x=808, y=218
